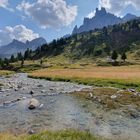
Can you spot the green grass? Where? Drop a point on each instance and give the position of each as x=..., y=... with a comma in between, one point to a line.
x=123, y=84
x=53, y=135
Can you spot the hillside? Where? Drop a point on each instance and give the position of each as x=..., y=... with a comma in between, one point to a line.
x=97, y=43
x=101, y=19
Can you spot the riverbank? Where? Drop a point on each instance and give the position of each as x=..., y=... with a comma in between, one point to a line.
x=112, y=98
x=119, y=77
x=65, y=106
x=5, y=72
x=53, y=135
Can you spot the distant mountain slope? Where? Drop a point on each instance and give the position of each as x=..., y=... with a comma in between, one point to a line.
x=97, y=43
x=17, y=46
x=128, y=17
x=101, y=19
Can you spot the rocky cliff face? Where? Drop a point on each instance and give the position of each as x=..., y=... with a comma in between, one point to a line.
x=101, y=19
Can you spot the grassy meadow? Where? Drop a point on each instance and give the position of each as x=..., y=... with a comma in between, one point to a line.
x=121, y=76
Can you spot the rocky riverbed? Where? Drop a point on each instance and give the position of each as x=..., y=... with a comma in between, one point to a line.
x=59, y=110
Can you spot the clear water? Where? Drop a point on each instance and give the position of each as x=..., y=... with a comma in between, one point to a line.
x=60, y=110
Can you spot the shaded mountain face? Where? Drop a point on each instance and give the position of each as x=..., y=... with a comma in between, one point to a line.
x=100, y=20
x=129, y=17
x=17, y=46
x=122, y=38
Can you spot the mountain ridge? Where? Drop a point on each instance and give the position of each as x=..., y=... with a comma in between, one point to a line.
x=101, y=19
x=17, y=46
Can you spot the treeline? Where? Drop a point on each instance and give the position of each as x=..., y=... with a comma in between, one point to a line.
x=100, y=42
x=54, y=48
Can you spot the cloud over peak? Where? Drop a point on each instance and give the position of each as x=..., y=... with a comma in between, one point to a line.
x=18, y=32
x=117, y=6
x=50, y=13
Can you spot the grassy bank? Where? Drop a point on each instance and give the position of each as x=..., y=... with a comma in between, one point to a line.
x=120, y=77
x=5, y=72
x=59, y=135
x=103, y=97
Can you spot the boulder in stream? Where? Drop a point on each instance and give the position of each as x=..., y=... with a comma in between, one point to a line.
x=33, y=104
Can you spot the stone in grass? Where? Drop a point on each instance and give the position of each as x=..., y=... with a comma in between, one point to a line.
x=131, y=90
x=136, y=94
x=30, y=132
x=113, y=97
x=91, y=95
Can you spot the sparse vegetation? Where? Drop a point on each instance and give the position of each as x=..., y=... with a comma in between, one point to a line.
x=60, y=135
x=103, y=96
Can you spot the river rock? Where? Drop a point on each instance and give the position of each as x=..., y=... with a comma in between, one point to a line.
x=39, y=85
x=32, y=92
x=31, y=132
x=136, y=94
x=2, y=90
x=131, y=90
x=16, y=89
x=42, y=91
x=19, y=86
x=113, y=97
x=33, y=104
x=91, y=95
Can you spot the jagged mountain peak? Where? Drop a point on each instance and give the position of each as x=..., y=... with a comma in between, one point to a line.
x=100, y=12
x=101, y=19
x=16, y=41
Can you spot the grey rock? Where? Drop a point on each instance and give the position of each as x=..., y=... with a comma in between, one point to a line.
x=31, y=132
x=33, y=104
x=113, y=97
x=131, y=90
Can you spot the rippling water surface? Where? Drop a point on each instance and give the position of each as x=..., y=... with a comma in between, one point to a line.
x=60, y=111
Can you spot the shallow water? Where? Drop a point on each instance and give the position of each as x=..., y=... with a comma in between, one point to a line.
x=60, y=110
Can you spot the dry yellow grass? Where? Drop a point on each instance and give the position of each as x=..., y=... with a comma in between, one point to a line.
x=124, y=72
x=5, y=72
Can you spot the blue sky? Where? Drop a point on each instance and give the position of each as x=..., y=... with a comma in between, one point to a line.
x=28, y=19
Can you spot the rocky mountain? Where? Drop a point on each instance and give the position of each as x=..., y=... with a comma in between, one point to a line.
x=17, y=46
x=66, y=36
x=101, y=19
x=123, y=38
x=128, y=17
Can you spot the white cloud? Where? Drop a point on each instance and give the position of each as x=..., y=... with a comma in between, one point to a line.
x=117, y=6
x=91, y=14
x=50, y=13
x=18, y=32
x=5, y=4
